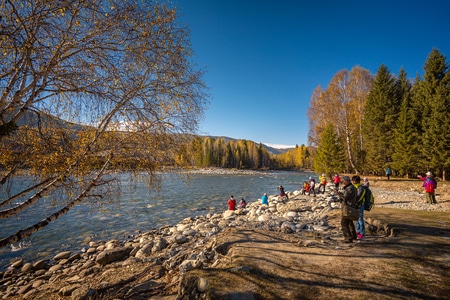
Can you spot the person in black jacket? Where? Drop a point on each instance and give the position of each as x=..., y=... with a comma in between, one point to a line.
x=347, y=197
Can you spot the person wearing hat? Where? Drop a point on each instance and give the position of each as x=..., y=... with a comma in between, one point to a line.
x=429, y=184
x=348, y=198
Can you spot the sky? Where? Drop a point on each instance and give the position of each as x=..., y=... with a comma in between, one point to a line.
x=264, y=58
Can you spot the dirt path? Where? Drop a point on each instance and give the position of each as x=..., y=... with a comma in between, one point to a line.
x=413, y=263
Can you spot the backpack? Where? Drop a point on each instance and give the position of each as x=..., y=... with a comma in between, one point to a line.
x=369, y=201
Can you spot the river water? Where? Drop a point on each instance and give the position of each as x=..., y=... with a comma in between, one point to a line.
x=139, y=209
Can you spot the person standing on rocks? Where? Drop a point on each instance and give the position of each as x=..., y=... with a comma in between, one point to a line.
x=322, y=183
x=336, y=180
x=360, y=197
x=347, y=197
x=429, y=184
x=231, y=203
x=312, y=186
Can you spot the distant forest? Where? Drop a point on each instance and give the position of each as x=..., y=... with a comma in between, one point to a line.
x=224, y=152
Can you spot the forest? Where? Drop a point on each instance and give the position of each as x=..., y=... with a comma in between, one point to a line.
x=362, y=123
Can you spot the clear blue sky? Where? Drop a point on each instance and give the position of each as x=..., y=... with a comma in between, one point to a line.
x=264, y=58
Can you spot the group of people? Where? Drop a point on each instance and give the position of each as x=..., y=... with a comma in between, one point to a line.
x=232, y=203
x=353, y=196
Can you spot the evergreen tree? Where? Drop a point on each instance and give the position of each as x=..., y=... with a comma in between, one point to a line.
x=330, y=157
x=432, y=102
x=405, y=139
x=380, y=114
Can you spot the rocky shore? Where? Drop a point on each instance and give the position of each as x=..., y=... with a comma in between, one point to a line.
x=154, y=263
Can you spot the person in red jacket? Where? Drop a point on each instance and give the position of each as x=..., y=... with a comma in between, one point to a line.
x=429, y=184
x=231, y=203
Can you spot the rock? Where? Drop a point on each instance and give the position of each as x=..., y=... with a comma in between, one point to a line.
x=68, y=289
x=55, y=268
x=112, y=255
x=28, y=267
x=62, y=255
x=17, y=264
x=40, y=265
x=288, y=227
x=202, y=284
x=180, y=239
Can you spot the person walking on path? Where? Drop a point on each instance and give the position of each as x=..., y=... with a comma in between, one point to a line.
x=360, y=197
x=430, y=185
x=388, y=172
x=231, y=203
x=348, y=198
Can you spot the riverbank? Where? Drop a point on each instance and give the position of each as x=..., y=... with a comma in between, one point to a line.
x=287, y=250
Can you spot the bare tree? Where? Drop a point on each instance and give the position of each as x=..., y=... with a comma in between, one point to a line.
x=88, y=88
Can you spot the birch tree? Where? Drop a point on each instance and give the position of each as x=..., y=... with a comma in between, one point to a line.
x=86, y=88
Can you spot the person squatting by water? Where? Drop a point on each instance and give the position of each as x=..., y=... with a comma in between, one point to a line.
x=360, y=197
x=347, y=197
x=282, y=193
x=305, y=188
x=243, y=203
x=231, y=203
x=265, y=199
x=430, y=185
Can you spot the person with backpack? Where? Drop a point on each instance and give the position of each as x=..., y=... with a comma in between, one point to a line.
x=360, y=197
x=348, y=200
x=429, y=184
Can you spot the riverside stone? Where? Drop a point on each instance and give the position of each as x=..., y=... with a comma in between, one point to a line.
x=112, y=255
x=62, y=255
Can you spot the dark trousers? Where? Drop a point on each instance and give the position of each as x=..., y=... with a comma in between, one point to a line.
x=348, y=229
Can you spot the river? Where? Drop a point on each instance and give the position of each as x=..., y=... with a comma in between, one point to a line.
x=139, y=209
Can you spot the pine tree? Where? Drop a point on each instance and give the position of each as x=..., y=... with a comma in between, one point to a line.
x=432, y=103
x=380, y=114
x=329, y=158
x=405, y=139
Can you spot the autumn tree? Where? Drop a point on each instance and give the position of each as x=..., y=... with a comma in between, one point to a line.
x=121, y=69
x=342, y=104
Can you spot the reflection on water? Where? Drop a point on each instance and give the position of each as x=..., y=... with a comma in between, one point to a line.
x=139, y=209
